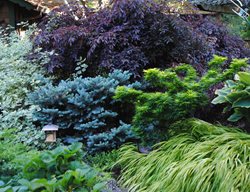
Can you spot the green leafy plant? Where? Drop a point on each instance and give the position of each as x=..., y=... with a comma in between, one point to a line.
x=203, y=158
x=61, y=169
x=13, y=155
x=103, y=160
x=236, y=94
x=176, y=93
x=18, y=77
x=245, y=32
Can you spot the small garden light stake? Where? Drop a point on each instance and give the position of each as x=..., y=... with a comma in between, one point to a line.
x=50, y=131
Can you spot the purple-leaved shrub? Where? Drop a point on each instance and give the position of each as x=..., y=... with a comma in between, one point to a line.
x=132, y=35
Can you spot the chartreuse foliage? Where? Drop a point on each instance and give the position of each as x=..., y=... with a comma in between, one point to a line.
x=236, y=94
x=84, y=108
x=177, y=93
x=61, y=169
x=204, y=158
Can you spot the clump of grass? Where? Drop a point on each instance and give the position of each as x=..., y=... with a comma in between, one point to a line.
x=206, y=158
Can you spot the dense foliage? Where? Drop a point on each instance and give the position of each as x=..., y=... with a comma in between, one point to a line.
x=217, y=37
x=94, y=57
x=237, y=95
x=13, y=155
x=84, y=108
x=245, y=32
x=61, y=169
x=176, y=94
x=205, y=158
x=132, y=35
x=18, y=77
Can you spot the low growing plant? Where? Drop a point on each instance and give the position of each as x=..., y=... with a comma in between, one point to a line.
x=13, y=155
x=176, y=93
x=103, y=160
x=61, y=169
x=204, y=158
x=236, y=94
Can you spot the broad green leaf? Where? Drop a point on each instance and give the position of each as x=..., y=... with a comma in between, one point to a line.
x=47, y=158
x=234, y=96
x=75, y=147
x=223, y=92
x=6, y=189
x=244, y=77
x=219, y=100
x=230, y=83
x=235, y=117
x=245, y=103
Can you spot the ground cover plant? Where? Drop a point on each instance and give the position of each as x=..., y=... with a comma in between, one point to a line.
x=132, y=35
x=13, y=155
x=236, y=94
x=176, y=93
x=84, y=108
x=203, y=158
x=61, y=169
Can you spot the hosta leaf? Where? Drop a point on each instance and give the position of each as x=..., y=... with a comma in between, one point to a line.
x=235, y=117
x=230, y=83
x=237, y=95
x=244, y=77
x=47, y=158
x=219, y=99
x=223, y=92
x=75, y=147
x=242, y=103
x=6, y=189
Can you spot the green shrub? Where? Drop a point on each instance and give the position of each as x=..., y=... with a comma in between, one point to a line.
x=84, y=108
x=236, y=94
x=13, y=155
x=18, y=77
x=245, y=32
x=61, y=169
x=176, y=93
x=205, y=158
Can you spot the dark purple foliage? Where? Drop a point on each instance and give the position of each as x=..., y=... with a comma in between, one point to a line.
x=132, y=35
x=217, y=38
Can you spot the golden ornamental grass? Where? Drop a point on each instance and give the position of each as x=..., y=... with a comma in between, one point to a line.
x=207, y=158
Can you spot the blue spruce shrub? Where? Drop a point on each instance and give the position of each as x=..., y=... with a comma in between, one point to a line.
x=84, y=110
x=112, y=139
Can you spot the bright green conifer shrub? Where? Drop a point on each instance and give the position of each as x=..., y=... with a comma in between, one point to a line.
x=204, y=158
x=176, y=93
